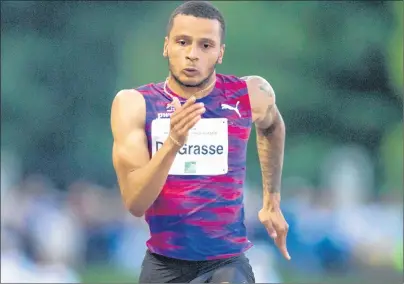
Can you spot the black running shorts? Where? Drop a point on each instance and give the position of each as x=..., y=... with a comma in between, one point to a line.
x=160, y=269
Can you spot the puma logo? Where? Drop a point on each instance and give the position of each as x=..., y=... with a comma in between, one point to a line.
x=226, y=106
x=170, y=107
x=169, y=111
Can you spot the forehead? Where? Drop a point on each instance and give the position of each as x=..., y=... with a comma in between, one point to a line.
x=196, y=27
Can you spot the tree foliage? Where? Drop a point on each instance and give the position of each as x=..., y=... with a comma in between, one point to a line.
x=336, y=68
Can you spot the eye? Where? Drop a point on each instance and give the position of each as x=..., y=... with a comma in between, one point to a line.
x=182, y=42
x=206, y=45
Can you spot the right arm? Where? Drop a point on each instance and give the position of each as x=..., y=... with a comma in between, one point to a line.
x=140, y=178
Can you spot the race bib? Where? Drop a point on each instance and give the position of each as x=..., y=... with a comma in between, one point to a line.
x=206, y=150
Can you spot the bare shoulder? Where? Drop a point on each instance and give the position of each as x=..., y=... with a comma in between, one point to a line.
x=261, y=94
x=259, y=86
x=128, y=110
x=128, y=99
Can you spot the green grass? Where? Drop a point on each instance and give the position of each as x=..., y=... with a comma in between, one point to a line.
x=367, y=275
x=109, y=274
x=106, y=274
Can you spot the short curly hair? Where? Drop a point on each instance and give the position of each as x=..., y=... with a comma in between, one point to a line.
x=198, y=9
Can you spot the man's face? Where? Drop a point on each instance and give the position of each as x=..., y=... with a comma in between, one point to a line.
x=193, y=48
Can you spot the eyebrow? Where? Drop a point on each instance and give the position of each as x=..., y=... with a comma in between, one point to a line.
x=182, y=36
x=190, y=37
x=207, y=39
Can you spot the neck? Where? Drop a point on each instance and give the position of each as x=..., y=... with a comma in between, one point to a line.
x=187, y=92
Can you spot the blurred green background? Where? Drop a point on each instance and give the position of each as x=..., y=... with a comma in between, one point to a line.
x=337, y=70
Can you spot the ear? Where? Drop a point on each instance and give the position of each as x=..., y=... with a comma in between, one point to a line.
x=220, y=59
x=165, y=52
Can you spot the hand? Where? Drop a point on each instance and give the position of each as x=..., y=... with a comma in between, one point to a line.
x=273, y=220
x=184, y=118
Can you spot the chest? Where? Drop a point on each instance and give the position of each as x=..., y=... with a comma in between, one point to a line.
x=213, y=145
x=236, y=111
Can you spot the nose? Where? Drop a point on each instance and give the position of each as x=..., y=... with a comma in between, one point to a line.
x=192, y=53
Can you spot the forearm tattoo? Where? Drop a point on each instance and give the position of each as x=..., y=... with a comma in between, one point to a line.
x=270, y=145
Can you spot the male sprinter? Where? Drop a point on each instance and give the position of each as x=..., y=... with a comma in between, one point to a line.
x=180, y=156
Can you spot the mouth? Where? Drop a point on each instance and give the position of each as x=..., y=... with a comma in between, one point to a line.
x=191, y=71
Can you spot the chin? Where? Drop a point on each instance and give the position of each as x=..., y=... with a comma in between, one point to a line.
x=191, y=82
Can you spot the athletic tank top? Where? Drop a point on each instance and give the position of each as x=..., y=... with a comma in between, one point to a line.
x=199, y=214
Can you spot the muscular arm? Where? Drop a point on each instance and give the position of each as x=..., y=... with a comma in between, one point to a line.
x=140, y=178
x=270, y=130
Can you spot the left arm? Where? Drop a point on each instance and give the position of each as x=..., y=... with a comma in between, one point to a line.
x=270, y=129
x=271, y=132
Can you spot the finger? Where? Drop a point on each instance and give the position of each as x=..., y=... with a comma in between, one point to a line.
x=189, y=102
x=281, y=244
x=195, y=107
x=188, y=117
x=270, y=228
x=284, y=252
x=272, y=233
x=181, y=117
x=191, y=123
x=176, y=103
